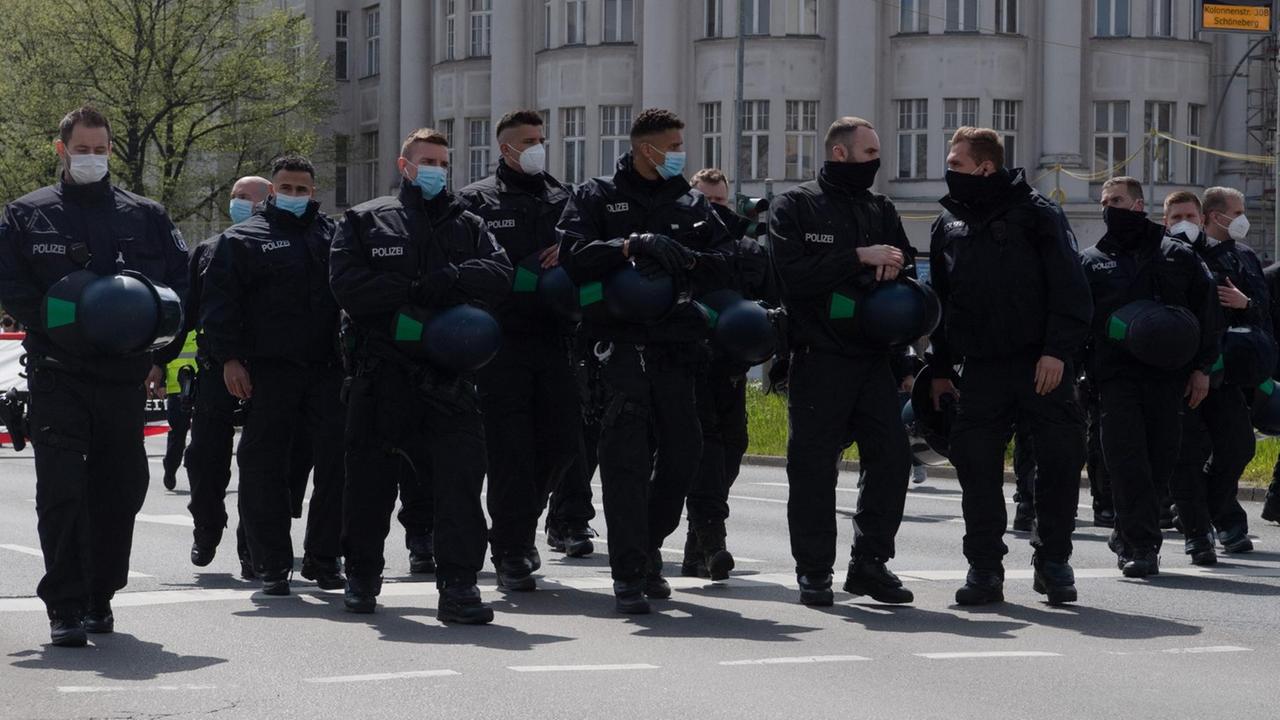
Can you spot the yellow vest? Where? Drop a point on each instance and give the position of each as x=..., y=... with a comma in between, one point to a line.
x=186, y=358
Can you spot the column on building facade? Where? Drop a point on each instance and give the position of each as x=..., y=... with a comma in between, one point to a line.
x=1062, y=96
x=1233, y=116
x=857, y=38
x=415, y=66
x=665, y=39
x=511, y=52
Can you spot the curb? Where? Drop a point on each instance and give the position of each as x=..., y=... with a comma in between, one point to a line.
x=1246, y=494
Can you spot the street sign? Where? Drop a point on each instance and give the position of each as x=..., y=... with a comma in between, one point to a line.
x=1245, y=16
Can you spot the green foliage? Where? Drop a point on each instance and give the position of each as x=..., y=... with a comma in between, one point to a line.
x=199, y=92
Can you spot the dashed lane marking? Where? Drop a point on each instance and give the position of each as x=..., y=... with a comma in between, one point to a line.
x=802, y=660
x=989, y=654
x=36, y=553
x=374, y=677
x=131, y=688
x=910, y=495
x=178, y=520
x=581, y=668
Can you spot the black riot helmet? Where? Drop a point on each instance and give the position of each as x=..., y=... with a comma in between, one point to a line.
x=1248, y=356
x=929, y=430
x=1265, y=410
x=110, y=315
x=742, y=328
x=885, y=315
x=1158, y=335
x=634, y=296
x=552, y=286
x=459, y=339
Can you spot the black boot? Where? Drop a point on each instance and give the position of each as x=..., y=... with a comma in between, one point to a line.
x=246, y=567
x=1235, y=540
x=656, y=586
x=1271, y=508
x=205, y=546
x=170, y=479
x=1143, y=564
x=275, y=582
x=870, y=577
x=361, y=595
x=711, y=537
x=461, y=604
x=1168, y=518
x=534, y=557
x=693, y=564
x=1104, y=517
x=1054, y=579
x=326, y=572
x=556, y=534
x=422, y=559
x=1201, y=550
x=628, y=597
x=99, y=619
x=815, y=590
x=1024, y=516
x=67, y=629
x=515, y=572
x=982, y=586
x=577, y=540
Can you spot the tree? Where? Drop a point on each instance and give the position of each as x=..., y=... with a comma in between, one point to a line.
x=199, y=92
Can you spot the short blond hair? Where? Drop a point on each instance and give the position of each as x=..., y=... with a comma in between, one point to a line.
x=426, y=135
x=710, y=176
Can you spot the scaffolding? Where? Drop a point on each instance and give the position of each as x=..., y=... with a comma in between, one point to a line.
x=1260, y=180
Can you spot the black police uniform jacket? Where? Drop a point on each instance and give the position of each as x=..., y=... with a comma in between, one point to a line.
x=603, y=212
x=815, y=230
x=1230, y=259
x=266, y=290
x=1272, y=276
x=56, y=230
x=749, y=257
x=521, y=211
x=1148, y=266
x=1009, y=279
x=389, y=246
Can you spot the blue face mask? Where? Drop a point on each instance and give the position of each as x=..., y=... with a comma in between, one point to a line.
x=672, y=164
x=240, y=210
x=296, y=204
x=430, y=180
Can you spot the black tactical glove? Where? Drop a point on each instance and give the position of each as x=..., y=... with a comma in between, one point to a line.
x=431, y=289
x=674, y=258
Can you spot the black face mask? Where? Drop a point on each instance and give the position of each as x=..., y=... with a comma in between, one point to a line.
x=977, y=189
x=1125, y=226
x=851, y=175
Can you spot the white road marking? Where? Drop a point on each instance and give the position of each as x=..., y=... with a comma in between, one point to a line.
x=581, y=668
x=1209, y=649
x=130, y=688
x=680, y=553
x=36, y=553
x=805, y=659
x=989, y=654
x=910, y=494
x=373, y=677
x=179, y=520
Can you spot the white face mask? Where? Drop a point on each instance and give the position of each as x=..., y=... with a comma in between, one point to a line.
x=534, y=159
x=1239, y=228
x=1187, y=229
x=88, y=168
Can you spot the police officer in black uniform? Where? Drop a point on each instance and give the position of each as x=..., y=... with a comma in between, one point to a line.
x=1271, y=507
x=1140, y=400
x=527, y=392
x=421, y=248
x=86, y=408
x=825, y=235
x=650, y=440
x=1015, y=310
x=1219, y=442
x=272, y=325
x=208, y=457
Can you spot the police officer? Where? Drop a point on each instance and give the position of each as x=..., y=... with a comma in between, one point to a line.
x=1223, y=438
x=1141, y=401
x=650, y=440
x=272, y=323
x=86, y=408
x=177, y=405
x=1271, y=507
x=722, y=403
x=208, y=457
x=527, y=392
x=419, y=248
x=1015, y=310
x=825, y=235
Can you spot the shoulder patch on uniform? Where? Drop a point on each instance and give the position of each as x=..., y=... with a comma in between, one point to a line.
x=38, y=224
x=176, y=234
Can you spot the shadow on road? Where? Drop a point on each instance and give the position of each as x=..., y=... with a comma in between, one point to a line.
x=118, y=656
x=1211, y=583
x=1091, y=621
x=908, y=619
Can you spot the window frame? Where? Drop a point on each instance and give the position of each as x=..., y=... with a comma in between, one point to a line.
x=615, y=132
x=1114, y=109
x=372, y=41
x=916, y=133
x=575, y=11
x=753, y=144
x=968, y=16
x=624, y=14
x=575, y=138
x=1159, y=150
x=711, y=115
x=480, y=45
x=341, y=46
x=713, y=19
x=918, y=12
x=800, y=131
x=1005, y=119
x=1114, y=10
x=1004, y=14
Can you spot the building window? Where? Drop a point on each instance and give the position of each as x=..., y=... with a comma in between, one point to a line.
x=802, y=17
x=957, y=113
x=615, y=128
x=369, y=164
x=481, y=19
x=1113, y=18
x=757, y=20
x=450, y=29
x=477, y=149
x=1007, y=16
x=1110, y=137
x=445, y=128
x=711, y=130
x=801, y=139
x=372, y=41
x=575, y=22
x=618, y=21
x=340, y=63
x=1158, y=117
x=713, y=18
x=913, y=16
x=1195, y=118
x=574, y=132
x=1161, y=18
x=962, y=16
x=341, y=157
x=913, y=138
x=1004, y=120
x=546, y=24
x=753, y=145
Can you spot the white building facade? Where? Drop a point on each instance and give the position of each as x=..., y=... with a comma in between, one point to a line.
x=1075, y=86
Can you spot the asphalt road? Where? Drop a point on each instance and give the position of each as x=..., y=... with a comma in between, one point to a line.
x=198, y=642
